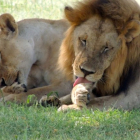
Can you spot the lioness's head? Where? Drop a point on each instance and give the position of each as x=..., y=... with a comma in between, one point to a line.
x=13, y=55
x=8, y=30
x=96, y=44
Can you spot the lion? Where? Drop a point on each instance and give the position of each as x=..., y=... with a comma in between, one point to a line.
x=28, y=53
x=100, y=54
x=103, y=41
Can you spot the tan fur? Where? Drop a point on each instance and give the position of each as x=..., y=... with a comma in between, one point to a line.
x=124, y=15
x=123, y=21
x=67, y=52
x=95, y=26
x=7, y=26
x=28, y=53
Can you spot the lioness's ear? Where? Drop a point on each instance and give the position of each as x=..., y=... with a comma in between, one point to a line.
x=8, y=27
x=131, y=30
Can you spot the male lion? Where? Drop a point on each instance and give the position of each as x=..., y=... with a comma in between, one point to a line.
x=101, y=51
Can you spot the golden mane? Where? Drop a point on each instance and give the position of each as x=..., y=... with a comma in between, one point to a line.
x=120, y=11
x=66, y=56
x=124, y=67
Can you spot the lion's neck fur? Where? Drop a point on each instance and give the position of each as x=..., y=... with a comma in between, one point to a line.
x=123, y=71
x=111, y=79
x=67, y=52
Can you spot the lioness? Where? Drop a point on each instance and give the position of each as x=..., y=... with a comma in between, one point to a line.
x=28, y=52
x=100, y=53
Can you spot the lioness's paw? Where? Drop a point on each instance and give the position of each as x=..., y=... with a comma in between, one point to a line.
x=49, y=101
x=15, y=88
x=81, y=94
x=9, y=98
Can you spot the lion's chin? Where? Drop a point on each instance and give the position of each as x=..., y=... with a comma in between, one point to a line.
x=81, y=80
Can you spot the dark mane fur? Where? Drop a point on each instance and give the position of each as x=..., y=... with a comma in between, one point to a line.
x=120, y=11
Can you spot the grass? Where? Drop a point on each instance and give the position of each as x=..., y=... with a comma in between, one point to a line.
x=39, y=123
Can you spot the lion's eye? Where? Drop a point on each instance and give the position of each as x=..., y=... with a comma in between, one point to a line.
x=83, y=42
x=106, y=48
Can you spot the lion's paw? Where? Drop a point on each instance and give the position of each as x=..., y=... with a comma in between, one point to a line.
x=49, y=101
x=81, y=94
x=65, y=108
x=15, y=88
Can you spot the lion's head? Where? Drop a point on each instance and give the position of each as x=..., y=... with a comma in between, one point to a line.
x=101, y=46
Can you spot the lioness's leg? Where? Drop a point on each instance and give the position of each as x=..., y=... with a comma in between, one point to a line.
x=54, y=100
x=66, y=99
x=15, y=88
x=62, y=89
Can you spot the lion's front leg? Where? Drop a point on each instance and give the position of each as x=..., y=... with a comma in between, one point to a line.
x=81, y=94
x=80, y=97
x=125, y=101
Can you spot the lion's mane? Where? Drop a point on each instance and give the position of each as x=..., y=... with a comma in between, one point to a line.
x=123, y=71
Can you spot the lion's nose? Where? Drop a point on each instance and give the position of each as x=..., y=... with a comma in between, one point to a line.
x=86, y=72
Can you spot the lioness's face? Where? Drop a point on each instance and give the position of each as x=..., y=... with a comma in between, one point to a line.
x=13, y=61
x=96, y=44
x=8, y=71
x=8, y=63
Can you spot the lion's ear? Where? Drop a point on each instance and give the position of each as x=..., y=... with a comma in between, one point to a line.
x=8, y=27
x=131, y=30
x=70, y=14
x=74, y=16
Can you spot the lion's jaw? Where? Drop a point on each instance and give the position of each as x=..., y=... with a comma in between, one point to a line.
x=95, y=47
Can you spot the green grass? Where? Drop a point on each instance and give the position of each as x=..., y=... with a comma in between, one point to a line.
x=39, y=123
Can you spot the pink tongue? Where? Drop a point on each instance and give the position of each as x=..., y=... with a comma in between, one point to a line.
x=80, y=80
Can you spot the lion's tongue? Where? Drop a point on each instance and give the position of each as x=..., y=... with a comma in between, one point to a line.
x=80, y=80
